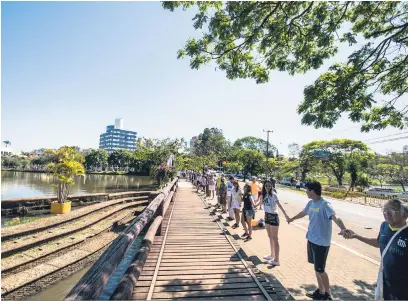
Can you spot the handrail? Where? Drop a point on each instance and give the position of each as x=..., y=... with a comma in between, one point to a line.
x=93, y=282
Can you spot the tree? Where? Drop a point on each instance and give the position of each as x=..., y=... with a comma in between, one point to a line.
x=252, y=161
x=69, y=163
x=377, y=172
x=6, y=142
x=338, y=152
x=248, y=39
x=210, y=141
x=396, y=174
x=233, y=166
x=255, y=143
x=294, y=150
x=396, y=168
x=97, y=157
x=119, y=157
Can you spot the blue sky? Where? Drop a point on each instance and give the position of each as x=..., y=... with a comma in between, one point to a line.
x=70, y=68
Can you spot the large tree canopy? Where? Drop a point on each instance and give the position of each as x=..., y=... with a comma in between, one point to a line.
x=210, y=141
x=341, y=153
x=255, y=143
x=248, y=39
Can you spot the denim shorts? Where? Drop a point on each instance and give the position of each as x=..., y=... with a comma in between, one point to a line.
x=249, y=212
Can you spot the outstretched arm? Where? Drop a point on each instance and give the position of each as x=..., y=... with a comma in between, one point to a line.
x=283, y=210
x=339, y=223
x=301, y=214
x=371, y=241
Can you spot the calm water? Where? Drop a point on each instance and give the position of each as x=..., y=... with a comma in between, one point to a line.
x=16, y=184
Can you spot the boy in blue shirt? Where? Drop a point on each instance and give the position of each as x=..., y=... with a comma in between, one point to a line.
x=321, y=214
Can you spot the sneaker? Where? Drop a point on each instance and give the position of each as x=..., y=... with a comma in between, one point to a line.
x=244, y=235
x=274, y=263
x=235, y=226
x=316, y=295
x=248, y=238
x=327, y=296
x=268, y=258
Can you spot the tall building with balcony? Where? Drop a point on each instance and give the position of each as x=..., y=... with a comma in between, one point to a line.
x=117, y=138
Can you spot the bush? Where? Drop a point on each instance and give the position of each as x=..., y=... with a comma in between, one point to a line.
x=338, y=195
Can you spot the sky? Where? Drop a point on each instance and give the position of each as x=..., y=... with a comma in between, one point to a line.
x=70, y=68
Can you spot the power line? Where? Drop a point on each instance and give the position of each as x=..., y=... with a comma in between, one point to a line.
x=350, y=128
x=392, y=139
x=385, y=136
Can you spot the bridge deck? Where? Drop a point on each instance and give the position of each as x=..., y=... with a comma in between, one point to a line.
x=195, y=257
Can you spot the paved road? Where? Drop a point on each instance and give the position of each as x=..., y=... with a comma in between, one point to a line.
x=365, y=220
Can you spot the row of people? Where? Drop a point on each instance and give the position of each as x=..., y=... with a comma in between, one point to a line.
x=392, y=238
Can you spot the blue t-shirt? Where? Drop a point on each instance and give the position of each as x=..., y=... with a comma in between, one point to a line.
x=395, y=263
x=320, y=222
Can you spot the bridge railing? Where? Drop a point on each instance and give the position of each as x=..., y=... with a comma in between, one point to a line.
x=93, y=282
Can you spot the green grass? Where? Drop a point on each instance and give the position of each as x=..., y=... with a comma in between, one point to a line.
x=21, y=220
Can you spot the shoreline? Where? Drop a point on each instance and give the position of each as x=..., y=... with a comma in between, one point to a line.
x=116, y=173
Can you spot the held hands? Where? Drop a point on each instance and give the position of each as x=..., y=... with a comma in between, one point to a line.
x=347, y=234
x=289, y=220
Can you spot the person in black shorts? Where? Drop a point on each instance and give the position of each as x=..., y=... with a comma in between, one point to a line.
x=248, y=212
x=270, y=200
x=321, y=214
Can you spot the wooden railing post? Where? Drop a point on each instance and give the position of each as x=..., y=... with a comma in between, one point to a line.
x=160, y=213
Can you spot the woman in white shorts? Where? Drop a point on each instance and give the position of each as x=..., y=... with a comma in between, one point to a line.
x=211, y=186
x=236, y=202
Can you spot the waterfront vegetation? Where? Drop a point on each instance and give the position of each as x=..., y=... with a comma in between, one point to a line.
x=337, y=162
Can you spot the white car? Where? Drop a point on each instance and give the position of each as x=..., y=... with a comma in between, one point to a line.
x=381, y=192
x=403, y=195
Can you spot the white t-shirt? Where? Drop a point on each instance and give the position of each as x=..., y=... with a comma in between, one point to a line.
x=229, y=188
x=236, y=196
x=270, y=203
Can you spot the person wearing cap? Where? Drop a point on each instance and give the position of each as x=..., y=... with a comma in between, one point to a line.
x=321, y=214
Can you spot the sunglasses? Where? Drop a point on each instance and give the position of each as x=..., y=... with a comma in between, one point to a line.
x=389, y=212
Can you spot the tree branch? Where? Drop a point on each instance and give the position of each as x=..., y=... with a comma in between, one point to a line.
x=219, y=55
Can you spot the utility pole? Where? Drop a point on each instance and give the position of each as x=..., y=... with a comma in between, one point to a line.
x=267, y=150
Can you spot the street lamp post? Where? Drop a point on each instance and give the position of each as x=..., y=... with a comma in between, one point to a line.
x=267, y=150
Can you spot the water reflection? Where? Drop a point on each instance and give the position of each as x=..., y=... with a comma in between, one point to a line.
x=16, y=184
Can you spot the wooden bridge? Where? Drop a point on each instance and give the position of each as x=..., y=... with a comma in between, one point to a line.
x=186, y=253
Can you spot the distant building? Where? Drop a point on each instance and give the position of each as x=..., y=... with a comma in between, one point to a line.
x=405, y=149
x=117, y=138
x=7, y=152
x=192, y=143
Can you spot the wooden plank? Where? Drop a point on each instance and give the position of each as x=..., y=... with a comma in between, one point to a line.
x=201, y=281
x=176, y=264
x=203, y=268
x=198, y=258
x=200, y=252
x=196, y=277
x=183, y=259
x=180, y=274
x=207, y=294
x=197, y=287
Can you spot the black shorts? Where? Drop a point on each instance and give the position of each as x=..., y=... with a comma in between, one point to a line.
x=317, y=255
x=272, y=219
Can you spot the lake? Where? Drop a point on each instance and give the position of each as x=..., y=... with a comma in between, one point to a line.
x=16, y=184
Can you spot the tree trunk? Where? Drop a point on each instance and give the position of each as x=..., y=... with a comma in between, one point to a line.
x=403, y=187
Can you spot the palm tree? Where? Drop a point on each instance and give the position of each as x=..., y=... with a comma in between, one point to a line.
x=6, y=142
